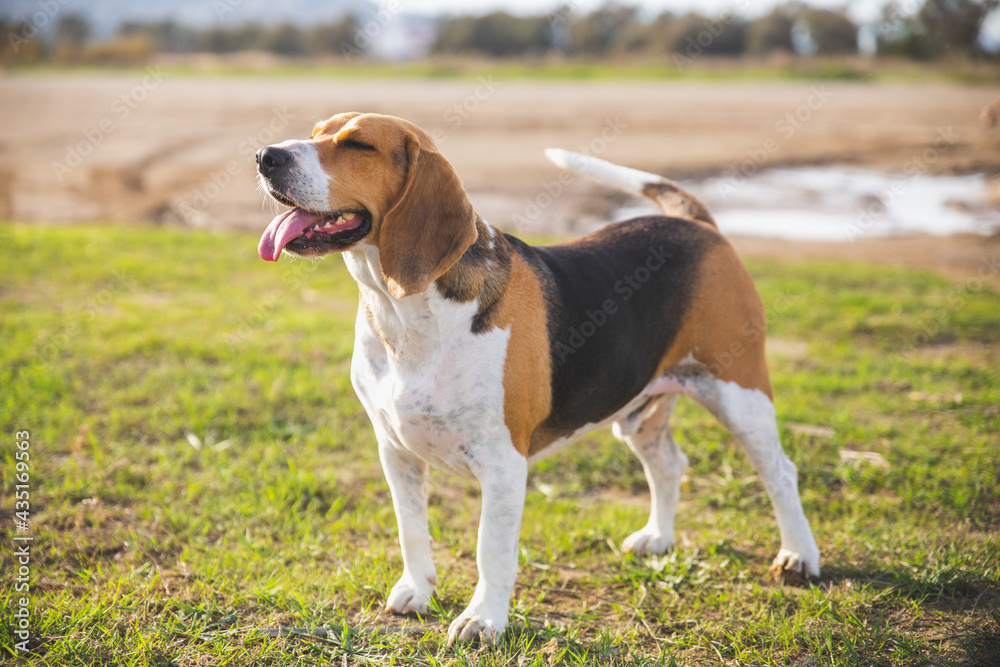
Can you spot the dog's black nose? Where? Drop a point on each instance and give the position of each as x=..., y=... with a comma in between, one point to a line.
x=271, y=158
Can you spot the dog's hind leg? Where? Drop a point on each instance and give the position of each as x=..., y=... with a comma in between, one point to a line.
x=647, y=433
x=749, y=415
x=718, y=358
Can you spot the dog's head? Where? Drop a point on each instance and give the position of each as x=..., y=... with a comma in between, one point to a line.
x=368, y=179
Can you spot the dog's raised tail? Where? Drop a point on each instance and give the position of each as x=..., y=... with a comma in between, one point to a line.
x=672, y=198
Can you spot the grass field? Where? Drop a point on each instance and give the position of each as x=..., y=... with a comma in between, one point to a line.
x=513, y=69
x=201, y=471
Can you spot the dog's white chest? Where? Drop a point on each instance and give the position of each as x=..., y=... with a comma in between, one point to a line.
x=441, y=396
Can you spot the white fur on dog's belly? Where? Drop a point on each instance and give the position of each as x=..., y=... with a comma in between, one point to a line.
x=565, y=441
x=446, y=409
x=658, y=385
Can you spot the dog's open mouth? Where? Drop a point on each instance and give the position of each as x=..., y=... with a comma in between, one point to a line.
x=308, y=233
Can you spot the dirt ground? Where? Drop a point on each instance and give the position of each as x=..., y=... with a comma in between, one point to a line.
x=179, y=150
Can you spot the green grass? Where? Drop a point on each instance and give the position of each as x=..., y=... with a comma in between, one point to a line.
x=546, y=69
x=122, y=346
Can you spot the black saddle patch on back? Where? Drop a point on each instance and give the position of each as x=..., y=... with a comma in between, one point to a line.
x=616, y=300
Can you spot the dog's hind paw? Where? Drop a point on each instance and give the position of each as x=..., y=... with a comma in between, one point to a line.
x=793, y=568
x=648, y=541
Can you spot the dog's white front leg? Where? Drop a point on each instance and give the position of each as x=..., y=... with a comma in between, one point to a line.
x=407, y=477
x=503, y=484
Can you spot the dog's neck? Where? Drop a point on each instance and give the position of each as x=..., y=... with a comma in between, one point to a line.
x=469, y=289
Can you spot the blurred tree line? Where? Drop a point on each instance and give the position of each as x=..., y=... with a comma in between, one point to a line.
x=134, y=42
x=938, y=28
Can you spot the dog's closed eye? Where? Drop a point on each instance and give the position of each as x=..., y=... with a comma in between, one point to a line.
x=359, y=145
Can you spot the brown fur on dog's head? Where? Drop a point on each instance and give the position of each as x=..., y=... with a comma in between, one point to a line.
x=422, y=218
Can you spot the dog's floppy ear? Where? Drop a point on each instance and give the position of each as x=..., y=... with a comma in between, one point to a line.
x=429, y=228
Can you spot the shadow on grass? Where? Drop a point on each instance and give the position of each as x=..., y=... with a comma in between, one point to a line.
x=949, y=587
x=547, y=646
x=983, y=646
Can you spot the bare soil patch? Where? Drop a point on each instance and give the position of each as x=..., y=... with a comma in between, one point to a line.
x=109, y=147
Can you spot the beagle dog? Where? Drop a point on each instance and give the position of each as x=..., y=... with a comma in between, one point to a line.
x=479, y=354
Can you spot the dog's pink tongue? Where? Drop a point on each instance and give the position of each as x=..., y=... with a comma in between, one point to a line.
x=283, y=229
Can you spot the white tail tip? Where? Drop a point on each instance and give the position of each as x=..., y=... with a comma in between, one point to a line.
x=560, y=157
x=609, y=173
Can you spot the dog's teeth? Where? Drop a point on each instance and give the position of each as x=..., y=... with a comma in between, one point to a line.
x=349, y=216
x=328, y=225
x=340, y=220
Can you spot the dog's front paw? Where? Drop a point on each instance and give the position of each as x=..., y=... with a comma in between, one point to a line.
x=475, y=624
x=407, y=597
x=792, y=567
x=648, y=541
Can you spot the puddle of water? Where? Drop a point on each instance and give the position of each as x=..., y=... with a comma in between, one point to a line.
x=844, y=204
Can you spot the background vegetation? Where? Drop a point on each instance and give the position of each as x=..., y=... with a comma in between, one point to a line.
x=938, y=29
